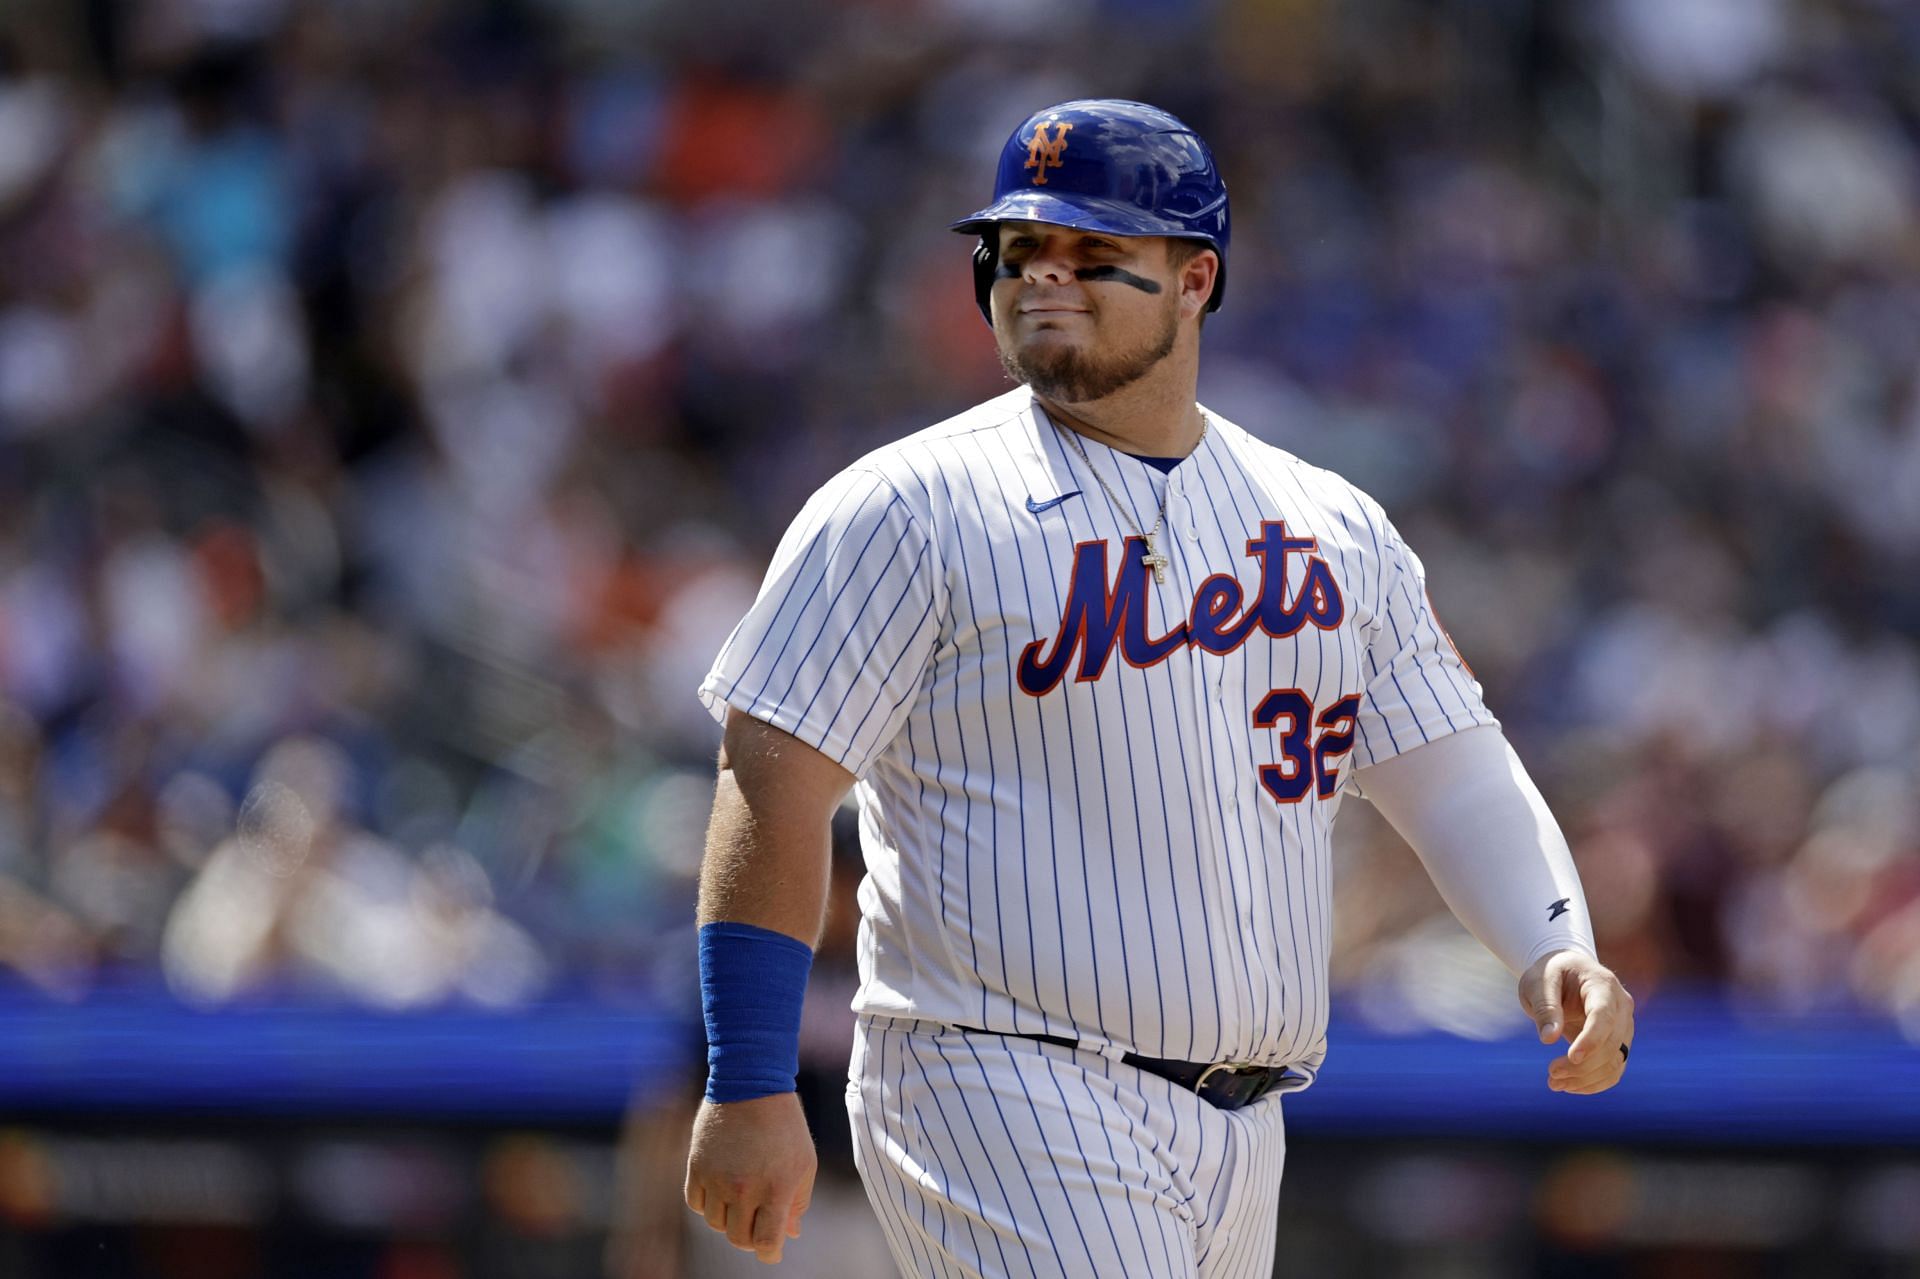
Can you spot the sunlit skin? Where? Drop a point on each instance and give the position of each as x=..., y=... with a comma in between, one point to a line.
x=1075, y=312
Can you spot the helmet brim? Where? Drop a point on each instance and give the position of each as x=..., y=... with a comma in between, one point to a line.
x=1071, y=209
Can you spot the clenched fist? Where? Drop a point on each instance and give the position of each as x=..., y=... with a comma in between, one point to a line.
x=750, y=1171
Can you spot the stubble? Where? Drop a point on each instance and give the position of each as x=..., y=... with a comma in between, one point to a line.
x=1073, y=376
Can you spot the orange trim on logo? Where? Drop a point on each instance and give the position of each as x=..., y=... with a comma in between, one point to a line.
x=1044, y=153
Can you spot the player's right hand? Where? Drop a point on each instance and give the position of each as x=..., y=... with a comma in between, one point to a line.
x=750, y=1171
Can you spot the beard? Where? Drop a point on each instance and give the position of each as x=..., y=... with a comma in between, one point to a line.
x=1074, y=376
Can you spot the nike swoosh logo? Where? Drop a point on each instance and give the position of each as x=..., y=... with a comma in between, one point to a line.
x=1037, y=507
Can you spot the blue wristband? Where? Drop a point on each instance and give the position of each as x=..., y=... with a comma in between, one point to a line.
x=752, y=983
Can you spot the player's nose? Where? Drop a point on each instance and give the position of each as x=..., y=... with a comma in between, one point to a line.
x=1049, y=263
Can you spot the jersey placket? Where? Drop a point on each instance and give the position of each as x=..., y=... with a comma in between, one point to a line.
x=1206, y=677
x=1124, y=509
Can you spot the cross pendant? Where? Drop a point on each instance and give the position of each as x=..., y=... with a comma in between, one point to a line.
x=1154, y=560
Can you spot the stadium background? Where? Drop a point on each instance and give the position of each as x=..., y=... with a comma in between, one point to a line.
x=398, y=399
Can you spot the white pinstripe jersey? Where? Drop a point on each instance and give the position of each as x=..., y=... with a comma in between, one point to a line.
x=1093, y=804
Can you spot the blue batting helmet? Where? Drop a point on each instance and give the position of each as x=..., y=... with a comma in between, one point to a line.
x=1104, y=164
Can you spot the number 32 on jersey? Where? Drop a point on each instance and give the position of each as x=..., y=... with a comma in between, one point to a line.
x=1306, y=762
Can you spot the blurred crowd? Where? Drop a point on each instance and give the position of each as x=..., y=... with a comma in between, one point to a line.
x=399, y=400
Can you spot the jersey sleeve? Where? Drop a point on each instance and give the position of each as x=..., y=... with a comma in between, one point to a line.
x=1418, y=687
x=839, y=639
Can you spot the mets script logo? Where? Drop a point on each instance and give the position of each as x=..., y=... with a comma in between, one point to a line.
x=1044, y=153
x=1105, y=613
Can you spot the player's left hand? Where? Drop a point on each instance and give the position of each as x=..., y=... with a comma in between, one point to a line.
x=1570, y=994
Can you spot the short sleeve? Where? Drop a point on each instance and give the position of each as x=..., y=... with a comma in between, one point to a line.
x=839, y=639
x=1418, y=686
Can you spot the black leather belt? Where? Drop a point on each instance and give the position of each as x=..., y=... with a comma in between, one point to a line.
x=1227, y=1087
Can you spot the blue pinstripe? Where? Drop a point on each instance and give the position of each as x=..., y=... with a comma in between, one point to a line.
x=1046, y=776
x=906, y=1197
x=1113, y=1156
x=1418, y=614
x=966, y=795
x=1245, y=1050
x=860, y=725
x=1251, y=516
x=819, y=580
x=893, y=612
x=1413, y=624
x=1142, y=1141
x=1001, y=1115
x=1206, y=911
x=1105, y=808
x=979, y=1254
x=1359, y=723
x=993, y=774
x=1381, y=616
x=827, y=616
x=1102, y=1200
x=1080, y=827
x=1318, y=843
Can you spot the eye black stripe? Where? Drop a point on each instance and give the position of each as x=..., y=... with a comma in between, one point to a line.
x=1118, y=275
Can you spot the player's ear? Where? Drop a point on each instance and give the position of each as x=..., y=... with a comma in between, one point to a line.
x=1195, y=278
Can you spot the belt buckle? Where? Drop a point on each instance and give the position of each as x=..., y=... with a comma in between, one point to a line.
x=1231, y=1067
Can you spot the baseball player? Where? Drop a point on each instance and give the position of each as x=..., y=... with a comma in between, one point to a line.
x=1100, y=667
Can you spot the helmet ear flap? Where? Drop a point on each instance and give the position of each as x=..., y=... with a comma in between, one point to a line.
x=986, y=262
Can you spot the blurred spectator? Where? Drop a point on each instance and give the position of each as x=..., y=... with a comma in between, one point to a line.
x=397, y=401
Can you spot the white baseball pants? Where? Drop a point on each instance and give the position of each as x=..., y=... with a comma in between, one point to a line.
x=991, y=1156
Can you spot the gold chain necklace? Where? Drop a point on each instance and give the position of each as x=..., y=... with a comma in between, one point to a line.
x=1153, y=559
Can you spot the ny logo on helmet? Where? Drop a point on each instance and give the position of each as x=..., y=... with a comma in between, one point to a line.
x=1044, y=154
